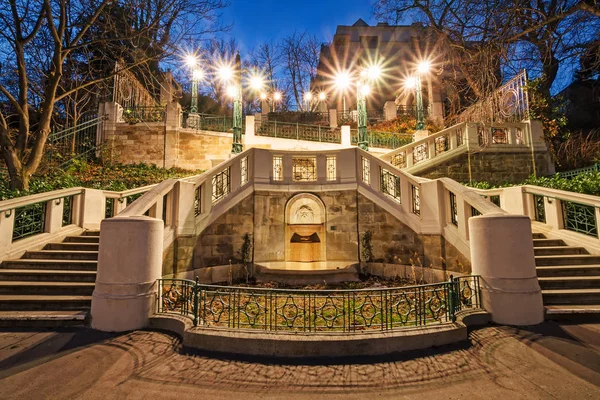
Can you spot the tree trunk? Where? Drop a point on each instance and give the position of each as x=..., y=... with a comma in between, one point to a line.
x=19, y=180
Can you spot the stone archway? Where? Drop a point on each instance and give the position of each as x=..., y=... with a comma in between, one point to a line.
x=305, y=229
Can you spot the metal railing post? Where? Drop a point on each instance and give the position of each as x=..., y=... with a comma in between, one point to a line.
x=196, y=288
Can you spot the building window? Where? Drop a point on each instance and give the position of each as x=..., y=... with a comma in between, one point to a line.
x=304, y=169
x=221, y=185
x=366, y=171
x=369, y=42
x=277, y=168
x=390, y=184
x=198, y=201
x=244, y=171
x=453, y=209
x=331, y=168
x=416, y=200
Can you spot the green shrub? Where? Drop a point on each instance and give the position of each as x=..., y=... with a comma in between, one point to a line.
x=117, y=177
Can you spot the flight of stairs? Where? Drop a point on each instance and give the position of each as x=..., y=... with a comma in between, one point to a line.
x=569, y=277
x=50, y=287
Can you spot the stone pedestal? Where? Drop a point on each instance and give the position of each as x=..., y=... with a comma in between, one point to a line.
x=389, y=110
x=502, y=254
x=420, y=134
x=129, y=263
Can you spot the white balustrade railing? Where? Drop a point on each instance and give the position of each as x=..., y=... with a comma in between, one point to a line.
x=458, y=139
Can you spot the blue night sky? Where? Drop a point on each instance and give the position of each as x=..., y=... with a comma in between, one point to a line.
x=261, y=20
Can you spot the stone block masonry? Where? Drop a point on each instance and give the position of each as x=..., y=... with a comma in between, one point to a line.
x=155, y=143
x=495, y=167
x=348, y=216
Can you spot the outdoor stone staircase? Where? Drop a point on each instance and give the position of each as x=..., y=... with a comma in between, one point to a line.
x=569, y=277
x=50, y=287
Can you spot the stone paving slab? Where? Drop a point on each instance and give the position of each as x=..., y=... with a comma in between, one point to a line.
x=544, y=362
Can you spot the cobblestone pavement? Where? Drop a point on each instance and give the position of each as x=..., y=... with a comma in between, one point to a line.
x=545, y=362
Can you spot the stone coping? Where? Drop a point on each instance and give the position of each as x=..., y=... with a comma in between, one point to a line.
x=317, y=344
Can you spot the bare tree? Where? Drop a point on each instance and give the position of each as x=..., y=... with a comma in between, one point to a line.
x=41, y=42
x=300, y=52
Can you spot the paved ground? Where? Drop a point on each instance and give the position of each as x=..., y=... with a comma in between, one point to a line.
x=544, y=362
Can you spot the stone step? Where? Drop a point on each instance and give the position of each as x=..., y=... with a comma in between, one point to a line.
x=579, y=259
x=82, y=239
x=548, y=242
x=46, y=288
x=559, y=250
x=64, y=265
x=536, y=235
x=47, y=275
x=573, y=312
x=571, y=296
x=43, y=319
x=570, y=282
x=568, y=270
x=306, y=277
x=61, y=255
x=90, y=233
x=44, y=303
x=72, y=246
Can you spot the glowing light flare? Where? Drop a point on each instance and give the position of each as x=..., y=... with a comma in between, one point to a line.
x=232, y=91
x=410, y=83
x=263, y=96
x=198, y=74
x=191, y=60
x=373, y=72
x=257, y=82
x=322, y=96
x=365, y=89
x=424, y=67
x=308, y=96
x=343, y=80
x=225, y=73
x=277, y=96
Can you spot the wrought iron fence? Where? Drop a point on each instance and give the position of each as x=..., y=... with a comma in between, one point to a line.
x=78, y=141
x=384, y=140
x=313, y=133
x=573, y=173
x=509, y=103
x=207, y=122
x=318, y=310
x=135, y=114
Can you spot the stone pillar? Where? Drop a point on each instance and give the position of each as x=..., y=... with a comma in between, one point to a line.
x=389, y=110
x=346, y=140
x=248, y=138
x=129, y=263
x=502, y=254
x=333, y=118
x=420, y=134
x=94, y=208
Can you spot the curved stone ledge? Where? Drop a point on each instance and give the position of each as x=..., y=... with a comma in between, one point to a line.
x=300, y=344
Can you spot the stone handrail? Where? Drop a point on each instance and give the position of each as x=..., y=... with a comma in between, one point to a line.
x=24, y=201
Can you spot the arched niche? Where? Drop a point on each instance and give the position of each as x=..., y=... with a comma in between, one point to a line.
x=305, y=229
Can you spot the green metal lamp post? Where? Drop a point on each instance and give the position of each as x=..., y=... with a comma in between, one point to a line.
x=195, y=79
x=419, y=95
x=236, y=146
x=361, y=107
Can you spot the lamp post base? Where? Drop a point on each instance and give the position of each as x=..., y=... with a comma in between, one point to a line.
x=237, y=148
x=363, y=146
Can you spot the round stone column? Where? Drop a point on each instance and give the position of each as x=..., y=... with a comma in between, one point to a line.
x=129, y=263
x=502, y=254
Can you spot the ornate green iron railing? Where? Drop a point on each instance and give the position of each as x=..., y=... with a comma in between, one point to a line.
x=540, y=208
x=384, y=140
x=286, y=130
x=579, y=218
x=207, y=122
x=573, y=173
x=318, y=310
x=135, y=114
